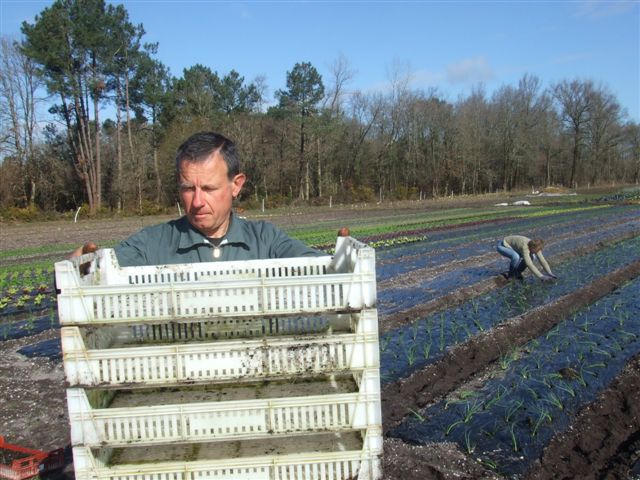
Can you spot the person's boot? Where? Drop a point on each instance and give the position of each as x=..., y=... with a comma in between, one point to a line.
x=510, y=274
x=521, y=267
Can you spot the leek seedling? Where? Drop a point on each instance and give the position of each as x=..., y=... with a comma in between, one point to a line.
x=454, y=331
x=478, y=325
x=622, y=317
x=475, y=305
x=553, y=332
x=471, y=409
x=469, y=445
x=543, y=415
x=555, y=401
x=469, y=412
x=429, y=326
x=467, y=332
x=421, y=418
x=415, y=328
x=533, y=393
x=500, y=393
x=411, y=354
x=627, y=336
x=547, y=379
x=564, y=386
x=524, y=372
x=514, y=440
x=600, y=351
x=506, y=359
x=511, y=411
x=426, y=349
x=489, y=463
x=384, y=342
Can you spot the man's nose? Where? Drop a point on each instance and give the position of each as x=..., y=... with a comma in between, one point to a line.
x=197, y=198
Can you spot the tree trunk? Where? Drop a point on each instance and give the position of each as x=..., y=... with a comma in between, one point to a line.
x=156, y=169
x=319, y=167
x=119, y=186
x=98, y=159
x=301, y=168
x=132, y=152
x=574, y=163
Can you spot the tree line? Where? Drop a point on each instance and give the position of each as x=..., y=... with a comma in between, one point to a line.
x=319, y=141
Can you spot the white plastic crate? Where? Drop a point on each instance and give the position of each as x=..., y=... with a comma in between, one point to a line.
x=110, y=293
x=179, y=363
x=289, y=408
x=342, y=456
x=226, y=328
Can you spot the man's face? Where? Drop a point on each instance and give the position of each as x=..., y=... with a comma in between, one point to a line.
x=207, y=194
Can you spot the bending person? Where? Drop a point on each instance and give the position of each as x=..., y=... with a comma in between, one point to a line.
x=521, y=250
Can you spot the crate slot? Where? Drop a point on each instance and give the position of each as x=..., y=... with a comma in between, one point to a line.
x=334, y=456
x=269, y=357
x=344, y=282
x=334, y=403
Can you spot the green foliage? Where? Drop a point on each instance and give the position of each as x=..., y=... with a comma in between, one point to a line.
x=357, y=194
x=304, y=90
x=150, y=208
x=27, y=214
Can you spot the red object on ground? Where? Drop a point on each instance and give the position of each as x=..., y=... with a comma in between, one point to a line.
x=19, y=463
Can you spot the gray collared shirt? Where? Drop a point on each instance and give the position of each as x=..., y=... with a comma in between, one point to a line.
x=178, y=241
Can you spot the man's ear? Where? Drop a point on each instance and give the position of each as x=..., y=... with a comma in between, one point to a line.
x=237, y=183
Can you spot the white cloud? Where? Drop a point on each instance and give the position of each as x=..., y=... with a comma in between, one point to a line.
x=469, y=70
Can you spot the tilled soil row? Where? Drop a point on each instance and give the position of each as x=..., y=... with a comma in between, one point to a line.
x=604, y=440
x=490, y=239
x=464, y=294
x=463, y=361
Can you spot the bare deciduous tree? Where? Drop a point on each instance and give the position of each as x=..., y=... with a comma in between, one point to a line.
x=18, y=102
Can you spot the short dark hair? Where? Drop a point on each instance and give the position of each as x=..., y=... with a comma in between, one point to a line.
x=200, y=146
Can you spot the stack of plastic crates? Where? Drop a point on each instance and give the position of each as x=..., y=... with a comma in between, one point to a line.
x=261, y=369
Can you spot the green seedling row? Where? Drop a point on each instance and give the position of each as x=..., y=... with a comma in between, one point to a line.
x=409, y=348
x=536, y=390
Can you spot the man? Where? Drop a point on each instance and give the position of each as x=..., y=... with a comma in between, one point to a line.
x=209, y=179
x=519, y=249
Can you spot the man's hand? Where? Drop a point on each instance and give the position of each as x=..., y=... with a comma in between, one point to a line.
x=88, y=247
x=548, y=278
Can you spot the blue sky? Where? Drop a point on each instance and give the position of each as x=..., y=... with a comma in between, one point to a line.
x=452, y=46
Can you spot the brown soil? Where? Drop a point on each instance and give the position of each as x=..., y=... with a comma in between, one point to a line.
x=428, y=385
x=602, y=442
x=608, y=440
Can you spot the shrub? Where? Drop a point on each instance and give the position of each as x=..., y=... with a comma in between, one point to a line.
x=18, y=214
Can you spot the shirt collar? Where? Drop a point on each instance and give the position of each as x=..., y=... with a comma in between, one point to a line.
x=236, y=232
x=191, y=236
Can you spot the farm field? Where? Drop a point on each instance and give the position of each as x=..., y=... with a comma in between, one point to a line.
x=481, y=377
